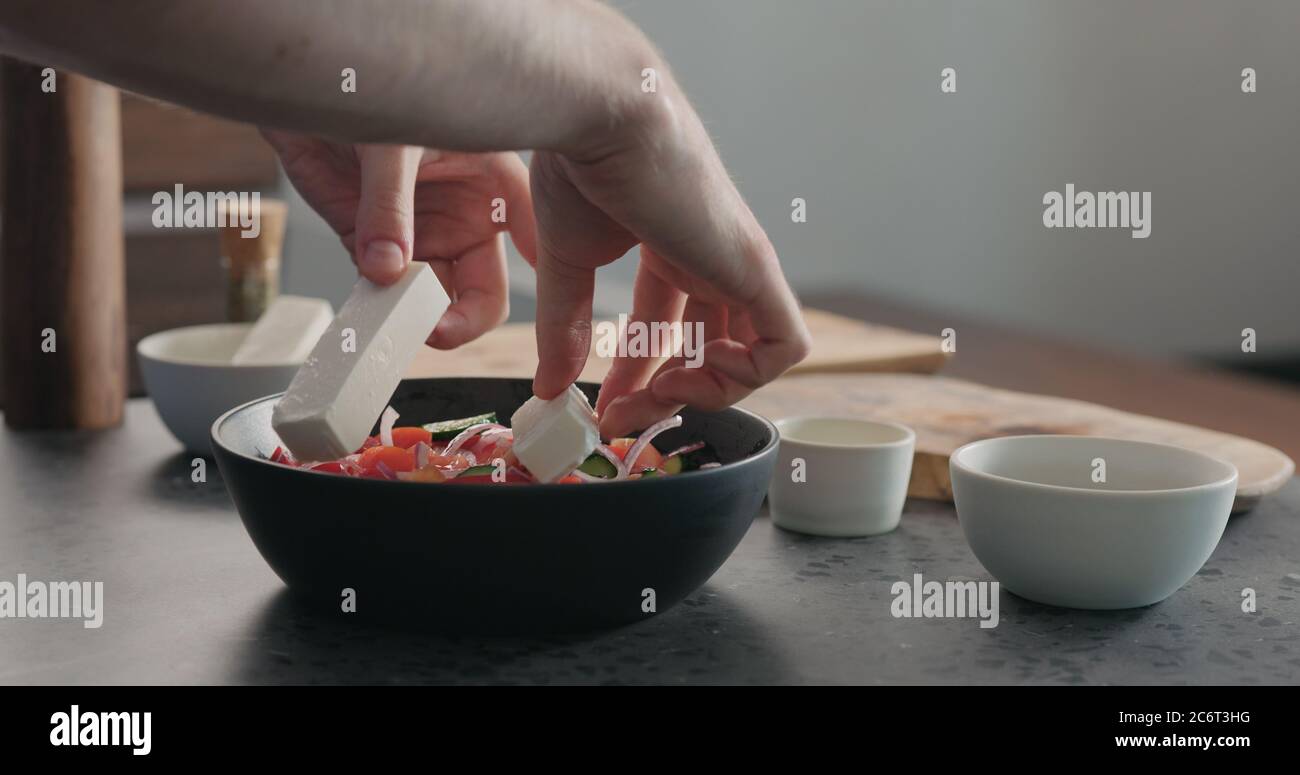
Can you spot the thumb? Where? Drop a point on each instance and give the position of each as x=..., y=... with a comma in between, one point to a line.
x=384, y=229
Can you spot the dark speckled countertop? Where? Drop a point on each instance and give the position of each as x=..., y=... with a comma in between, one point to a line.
x=189, y=600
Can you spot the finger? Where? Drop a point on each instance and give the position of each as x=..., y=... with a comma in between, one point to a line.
x=705, y=388
x=635, y=411
x=573, y=237
x=642, y=408
x=739, y=328
x=280, y=140
x=779, y=338
x=445, y=270
x=563, y=322
x=480, y=296
x=732, y=370
x=653, y=302
x=512, y=175
x=384, y=232
x=429, y=245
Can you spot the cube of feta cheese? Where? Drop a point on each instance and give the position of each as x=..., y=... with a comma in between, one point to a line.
x=348, y=379
x=286, y=332
x=553, y=437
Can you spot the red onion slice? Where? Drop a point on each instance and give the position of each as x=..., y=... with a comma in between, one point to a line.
x=686, y=450
x=422, y=452
x=384, y=470
x=620, y=469
x=496, y=436
x=648, y=436
x=469, y=433
x=386, y=421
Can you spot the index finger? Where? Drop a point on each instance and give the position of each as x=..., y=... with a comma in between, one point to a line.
x=478, y=287
x=564, y=294
x=731, y=370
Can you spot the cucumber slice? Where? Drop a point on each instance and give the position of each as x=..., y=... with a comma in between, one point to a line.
x=484, y=470
x=449, y=429
x=672, y=465
x=597, y=465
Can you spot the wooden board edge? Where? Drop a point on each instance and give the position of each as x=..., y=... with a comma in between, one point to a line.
x=1273, y=483
x=930, y=478
x=931, y=481
x=927, y=363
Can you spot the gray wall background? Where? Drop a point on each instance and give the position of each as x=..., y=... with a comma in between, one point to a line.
x=937, y=198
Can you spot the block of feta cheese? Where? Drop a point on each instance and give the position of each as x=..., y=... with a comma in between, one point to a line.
x=344, y=385
x=553, y=437
x=286, y=332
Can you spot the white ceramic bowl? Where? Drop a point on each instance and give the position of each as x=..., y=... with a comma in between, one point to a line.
x=1037, y=520
x=840, y=476
x=191, y=380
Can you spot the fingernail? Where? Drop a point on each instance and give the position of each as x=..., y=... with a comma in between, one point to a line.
x=383, y=258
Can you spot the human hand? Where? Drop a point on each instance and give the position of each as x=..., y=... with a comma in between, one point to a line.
x=393, y=204
x=659, y=182
x=615, y=165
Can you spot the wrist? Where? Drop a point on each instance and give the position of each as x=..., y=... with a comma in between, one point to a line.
x=635, y=102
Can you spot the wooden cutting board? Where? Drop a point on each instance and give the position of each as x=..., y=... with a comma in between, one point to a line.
x=840, y=344
x=947, y=413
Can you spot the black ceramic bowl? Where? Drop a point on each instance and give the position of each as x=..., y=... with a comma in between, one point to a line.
x=496, y=558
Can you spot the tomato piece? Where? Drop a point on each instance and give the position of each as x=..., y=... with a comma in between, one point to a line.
x=498, y=453
x=395, y=458
x=423, y=475
x=410, y=436
x=449, y=463
x=488, y=446
x=570, y=479
x=649, y=457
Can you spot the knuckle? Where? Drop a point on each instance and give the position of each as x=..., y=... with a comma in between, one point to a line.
x=802, y=346
x=389, y=204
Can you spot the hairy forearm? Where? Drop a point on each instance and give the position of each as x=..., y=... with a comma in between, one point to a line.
x=471, y=75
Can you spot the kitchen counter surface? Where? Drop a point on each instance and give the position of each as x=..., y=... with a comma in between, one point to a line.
x=189, y=600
